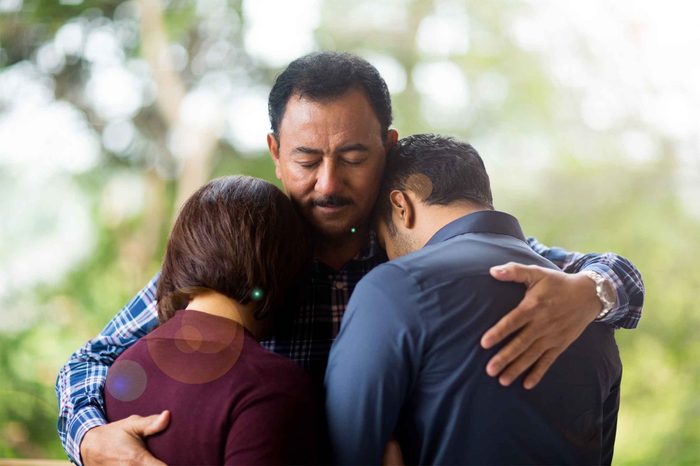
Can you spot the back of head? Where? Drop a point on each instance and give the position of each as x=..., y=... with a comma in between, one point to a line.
x=441, y=170
x=237, y=235
x=323, y=76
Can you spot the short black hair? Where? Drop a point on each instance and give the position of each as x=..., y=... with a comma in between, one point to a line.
x=454, y=168
x=325, y=75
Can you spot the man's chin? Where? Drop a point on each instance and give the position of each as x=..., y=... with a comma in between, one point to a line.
x=333, y=229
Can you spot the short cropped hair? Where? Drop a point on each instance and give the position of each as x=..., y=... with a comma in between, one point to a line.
x=239, y=236
x=455, y=170
x=323, y=76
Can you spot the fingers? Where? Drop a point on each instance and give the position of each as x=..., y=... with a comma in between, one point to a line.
x=524, y=343
x=510, y=323
x=541, y=367
x=158, y=423
x=144, y=426
x=392, y=454
x=149, y=460
x=522, y=363
x=513, y=272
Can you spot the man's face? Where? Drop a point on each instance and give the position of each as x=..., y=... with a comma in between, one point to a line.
x=330, y=160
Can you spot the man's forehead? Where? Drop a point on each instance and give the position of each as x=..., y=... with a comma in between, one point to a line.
x=350, y=106
x=338, y=136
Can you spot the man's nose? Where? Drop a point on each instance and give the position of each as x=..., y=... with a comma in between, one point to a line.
x=329, y=180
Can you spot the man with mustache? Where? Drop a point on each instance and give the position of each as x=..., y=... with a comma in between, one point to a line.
x=330, y=116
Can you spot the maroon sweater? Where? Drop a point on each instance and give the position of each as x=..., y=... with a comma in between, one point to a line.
x=231, y=401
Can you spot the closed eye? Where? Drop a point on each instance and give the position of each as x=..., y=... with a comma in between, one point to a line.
x=354, y=154
x=307, y=164
x=354, y=161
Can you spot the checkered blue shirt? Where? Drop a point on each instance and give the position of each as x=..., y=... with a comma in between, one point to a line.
x=308, y=338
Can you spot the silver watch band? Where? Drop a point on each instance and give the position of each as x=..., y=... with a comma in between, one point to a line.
x=606, y=301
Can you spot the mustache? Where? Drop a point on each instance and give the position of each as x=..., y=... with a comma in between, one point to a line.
x=331, y=201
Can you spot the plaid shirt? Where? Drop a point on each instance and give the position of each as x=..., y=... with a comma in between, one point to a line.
x=308, y=338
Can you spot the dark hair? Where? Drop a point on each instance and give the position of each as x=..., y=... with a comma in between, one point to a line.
x=454, y=169
x=325, y=75
x=237, y=235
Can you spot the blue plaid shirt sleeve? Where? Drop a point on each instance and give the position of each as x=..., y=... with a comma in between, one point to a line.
x=80, y=382
x=624, y=276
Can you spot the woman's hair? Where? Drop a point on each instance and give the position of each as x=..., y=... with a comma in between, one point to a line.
x=239, y=236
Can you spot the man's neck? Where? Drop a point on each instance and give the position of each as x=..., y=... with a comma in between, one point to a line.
x=434, y=218
x=337, y=251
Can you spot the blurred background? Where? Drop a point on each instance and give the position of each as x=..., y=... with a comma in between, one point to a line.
x=587, y=115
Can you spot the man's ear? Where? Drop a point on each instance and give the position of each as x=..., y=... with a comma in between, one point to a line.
x=402, y=209
x=392, y=137
x=274, y=148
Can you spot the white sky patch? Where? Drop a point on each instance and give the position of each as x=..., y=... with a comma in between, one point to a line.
x=218, y=82
x=102, y=47
x=638, y=146
x=114, y=92
x=247, y=122
x=386, y=16
x=208, y=7
x=201, y=109
x=43, y=143
x=70, y=38
x=491, y=87
x=49, y=59
x=23, y=83
x=442, y=82
x=201, y=115
x=178, y=57
x=64, y=144
x=40, y=135
x=444, y=34
x=51, y=230
x=280, y=31
x=445, y=90
x=391, y=70
x=182, y=143
x=118, y=136
x=122, y=198
x=8, y=6
x=601, y=109
x=631, y=60
x=217, y=52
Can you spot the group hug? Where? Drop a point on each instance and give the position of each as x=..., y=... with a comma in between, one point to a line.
x=380, y=310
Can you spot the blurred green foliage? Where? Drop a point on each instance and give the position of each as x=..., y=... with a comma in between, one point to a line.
x=587, y=204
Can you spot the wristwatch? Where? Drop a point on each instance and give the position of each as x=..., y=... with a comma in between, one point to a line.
x=604, y=291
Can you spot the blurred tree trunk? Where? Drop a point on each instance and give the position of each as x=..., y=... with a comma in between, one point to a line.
x=196, y=154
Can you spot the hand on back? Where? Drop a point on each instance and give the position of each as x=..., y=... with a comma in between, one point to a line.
x=556, y=309
x=121, y=442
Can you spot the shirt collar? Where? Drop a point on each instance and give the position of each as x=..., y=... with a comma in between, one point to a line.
x=371, y=249
x=484, y=221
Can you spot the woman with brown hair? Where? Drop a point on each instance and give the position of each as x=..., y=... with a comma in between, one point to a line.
x=234, y=250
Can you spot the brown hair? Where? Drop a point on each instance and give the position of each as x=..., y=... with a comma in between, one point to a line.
x=239, y=236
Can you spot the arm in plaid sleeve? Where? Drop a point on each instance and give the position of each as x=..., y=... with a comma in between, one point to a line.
x=80, y=381
x=623, y=275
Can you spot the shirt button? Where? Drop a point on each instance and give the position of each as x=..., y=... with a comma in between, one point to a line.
x=339, y=285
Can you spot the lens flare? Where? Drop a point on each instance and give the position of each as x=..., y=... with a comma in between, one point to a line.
x=126, y=380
